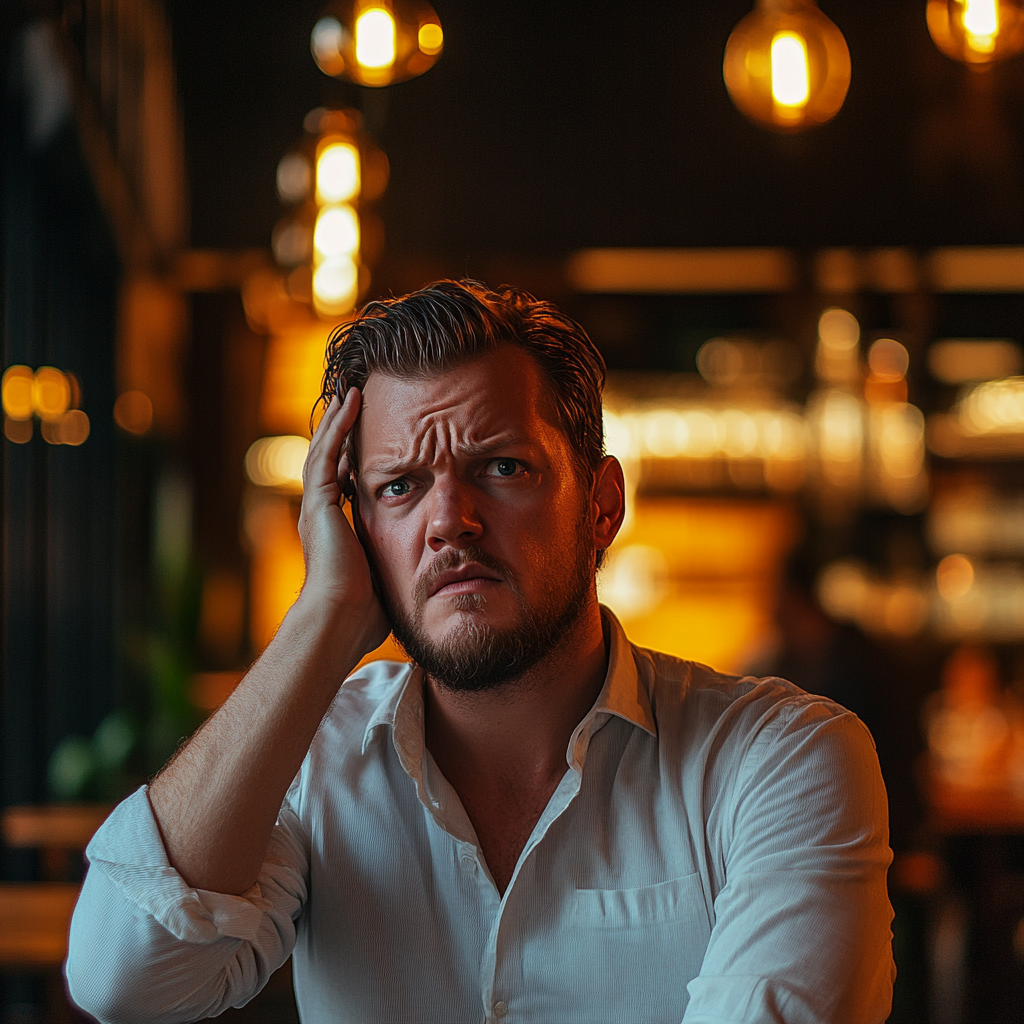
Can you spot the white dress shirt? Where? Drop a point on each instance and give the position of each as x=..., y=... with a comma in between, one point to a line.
x=715, y=852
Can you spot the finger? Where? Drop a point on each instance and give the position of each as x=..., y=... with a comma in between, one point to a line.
x=320, y=471
x=335, y=425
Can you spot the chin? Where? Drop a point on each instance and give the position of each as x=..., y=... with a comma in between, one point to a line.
x=477, y=608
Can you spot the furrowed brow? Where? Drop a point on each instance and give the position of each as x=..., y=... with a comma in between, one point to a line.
x=476, y=450
x=466, y=449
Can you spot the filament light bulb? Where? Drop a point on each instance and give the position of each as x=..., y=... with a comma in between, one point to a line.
x=787, y=67
x=377, y=42
x=977, y=31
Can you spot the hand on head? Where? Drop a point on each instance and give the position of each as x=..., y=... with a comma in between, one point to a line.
x=337, y=570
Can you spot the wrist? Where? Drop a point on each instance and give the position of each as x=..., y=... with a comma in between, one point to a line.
x=324, y=626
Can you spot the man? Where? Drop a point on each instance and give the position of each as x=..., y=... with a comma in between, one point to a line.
x=535, y=821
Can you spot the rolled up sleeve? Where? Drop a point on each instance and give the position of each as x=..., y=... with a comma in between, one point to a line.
x=146, y=948
x=802, y=925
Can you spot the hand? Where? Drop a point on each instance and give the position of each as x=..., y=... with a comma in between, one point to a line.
x=337, y=571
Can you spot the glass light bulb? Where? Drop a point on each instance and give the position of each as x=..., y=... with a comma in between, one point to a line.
x=377, y=42
x=787, y=67
x=977, y=31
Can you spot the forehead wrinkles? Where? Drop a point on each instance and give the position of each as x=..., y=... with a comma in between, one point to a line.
x=416, y=419
x=426, y=433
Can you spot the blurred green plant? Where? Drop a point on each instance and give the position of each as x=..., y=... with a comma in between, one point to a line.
x=133, y=742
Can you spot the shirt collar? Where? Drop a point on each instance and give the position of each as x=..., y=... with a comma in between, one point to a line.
x=623, y=695
x=387, y=710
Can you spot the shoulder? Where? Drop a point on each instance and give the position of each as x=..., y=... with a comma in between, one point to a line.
x=724, y=714
x=367, y=698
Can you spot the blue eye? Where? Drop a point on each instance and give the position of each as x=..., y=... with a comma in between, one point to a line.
x=506, y=467
x=396, y=489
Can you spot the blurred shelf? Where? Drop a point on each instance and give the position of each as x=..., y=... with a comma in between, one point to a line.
x=34, y=922
x=59, y=826
x=958, y=810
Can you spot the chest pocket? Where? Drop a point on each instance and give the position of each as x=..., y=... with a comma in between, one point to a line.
x=632, y=953
x=647, y=905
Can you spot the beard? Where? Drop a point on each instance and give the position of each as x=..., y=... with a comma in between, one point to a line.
x=475, y=657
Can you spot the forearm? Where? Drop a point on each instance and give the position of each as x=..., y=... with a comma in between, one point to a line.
x=218, y=799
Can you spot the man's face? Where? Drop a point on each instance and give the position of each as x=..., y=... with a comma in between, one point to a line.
x=478, y=527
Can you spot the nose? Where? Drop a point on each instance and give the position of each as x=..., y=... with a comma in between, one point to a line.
x=454, y=517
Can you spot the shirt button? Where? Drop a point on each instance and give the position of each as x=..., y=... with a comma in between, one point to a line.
x=500, y=1009
x=468, y=863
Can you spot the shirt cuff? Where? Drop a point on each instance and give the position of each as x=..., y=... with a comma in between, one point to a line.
x=128, y=849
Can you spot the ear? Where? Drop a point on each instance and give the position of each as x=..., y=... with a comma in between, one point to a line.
x=609, y=501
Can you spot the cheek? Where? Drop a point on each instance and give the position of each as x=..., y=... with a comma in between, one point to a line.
x=393, y=543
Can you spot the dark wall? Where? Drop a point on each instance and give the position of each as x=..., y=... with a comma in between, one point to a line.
x=552, y=125
x=59, y=277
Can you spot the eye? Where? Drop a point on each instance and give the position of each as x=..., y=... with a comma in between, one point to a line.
x=396, y=489
x=505, y=467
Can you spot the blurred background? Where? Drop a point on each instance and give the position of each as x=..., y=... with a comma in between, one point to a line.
x=796, y=232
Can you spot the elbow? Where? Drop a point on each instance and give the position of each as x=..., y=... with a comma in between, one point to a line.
x=94, y=992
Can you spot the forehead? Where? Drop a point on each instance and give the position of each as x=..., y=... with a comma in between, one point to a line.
x=498, y=394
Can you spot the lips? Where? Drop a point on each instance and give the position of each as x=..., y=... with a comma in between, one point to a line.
x=464, y=574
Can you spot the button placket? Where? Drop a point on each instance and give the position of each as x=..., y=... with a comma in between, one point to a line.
x=499, y=1009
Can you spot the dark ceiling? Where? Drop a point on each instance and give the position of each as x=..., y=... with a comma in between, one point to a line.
x=550, y=126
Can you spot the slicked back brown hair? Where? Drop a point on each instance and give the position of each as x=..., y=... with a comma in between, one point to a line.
x=448, y=323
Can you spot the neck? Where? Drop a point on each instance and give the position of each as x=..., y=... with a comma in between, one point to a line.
x=523, y=727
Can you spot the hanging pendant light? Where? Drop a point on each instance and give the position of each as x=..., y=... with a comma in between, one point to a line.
x=787, y=67
x=377, y=42
x=977, y=32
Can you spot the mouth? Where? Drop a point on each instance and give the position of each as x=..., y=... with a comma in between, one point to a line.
x=471, y=578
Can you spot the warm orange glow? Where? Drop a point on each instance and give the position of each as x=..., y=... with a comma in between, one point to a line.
x=336, y=232
x=17, y=392
x=51, y=393
x=977, y=31
x=378, y=42
x=277, y=462
x=954, y=577
x=276, y=566
x=787, y=67
x=18, y=431
x=73, y=428
x=335, y=286
x=888, y=360
x=133, y=412
x=292, y=374
x=430, y=38
x=375, y=38
x=337, y=172
x=995, y=407
x=789, y=70
x=694, y=577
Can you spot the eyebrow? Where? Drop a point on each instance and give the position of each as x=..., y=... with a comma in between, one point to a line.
x=469, y=450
